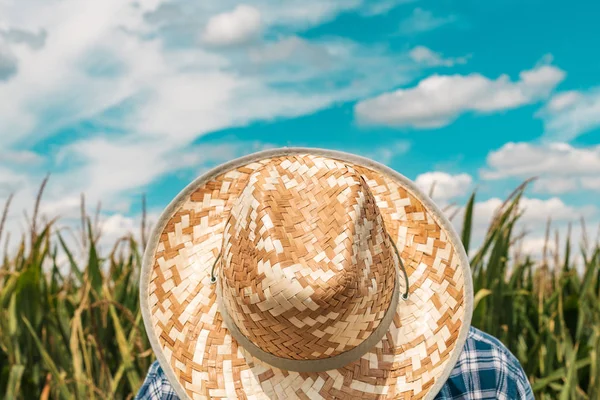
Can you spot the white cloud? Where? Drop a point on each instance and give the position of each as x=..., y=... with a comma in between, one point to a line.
x=428, y=57
x=571, y=114
x=560, y=166
x=206, y=156
x=535, y=245
x=592, y=182
x=19, y=36
x=445, y=186
x=291, y=48
x=561, y=101
x=184, y=17
x=387, y=153
x=109, y=168
x=241, y=25
x=300, y=14
x=10, y=181
x=484, y=210
x=115, y=226
x=537, y=211
x=554, y=185
x=423, y=20
x=438, y=100
x=50, y=90
x=526, y=159
x=564, y=219
x=382, y=6
x=20, y=157
x=8, y=61
x=326, y=69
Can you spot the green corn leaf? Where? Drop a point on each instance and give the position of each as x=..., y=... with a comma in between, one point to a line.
x=594, y=381
x=468, y=222
x=569, y=389
x=72, y=264
x=558, y=374
x=94, y=264
x=14, y=382
x=58, y=377
x=124, y=348
x=74, y=346
x=116, y=380
x=481, y=294
x=8, y=289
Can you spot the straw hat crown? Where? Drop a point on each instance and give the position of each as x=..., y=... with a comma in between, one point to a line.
x=307, y=268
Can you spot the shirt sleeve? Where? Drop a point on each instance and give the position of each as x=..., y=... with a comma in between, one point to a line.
x=156, y=386
x=524, y=389
x=515, y=385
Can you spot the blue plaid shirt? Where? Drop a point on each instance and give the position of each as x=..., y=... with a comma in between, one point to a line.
x=486, y=369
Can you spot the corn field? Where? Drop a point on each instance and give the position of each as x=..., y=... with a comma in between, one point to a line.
x=79, y=334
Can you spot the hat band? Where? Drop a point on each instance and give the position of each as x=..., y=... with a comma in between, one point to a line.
x=318, y=365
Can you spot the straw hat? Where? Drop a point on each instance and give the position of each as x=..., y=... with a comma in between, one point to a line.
x=305, y=274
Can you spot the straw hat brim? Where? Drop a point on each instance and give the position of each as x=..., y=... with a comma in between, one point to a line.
x=197, y=352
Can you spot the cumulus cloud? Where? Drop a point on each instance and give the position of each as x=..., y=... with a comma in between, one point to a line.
x=11, y=38
x=382, y=6
x=571, y=114
x=444, y=185
x=537, y=211
x=35, y=40
x=438, y=100
x=592, y=183
x=241, y=25
x=19, y=157
x=554, y=185
x=524, y=159
x=182, y=18
x=327, y=68
x=561, y=167
x=387, y=153
x=117, y=226
x=300, y=14
x=291, y=48
x=423, y=20
x=561, y=101
x=428, y=57
x=8, y=62
x=10, y=181
x=534, y=245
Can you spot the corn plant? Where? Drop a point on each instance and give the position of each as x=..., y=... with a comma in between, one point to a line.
x=74, y=335
x=77, y=332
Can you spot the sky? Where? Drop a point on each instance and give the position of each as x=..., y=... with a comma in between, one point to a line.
x=118, y=99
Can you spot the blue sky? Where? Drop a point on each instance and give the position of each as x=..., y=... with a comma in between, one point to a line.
x=119, y=98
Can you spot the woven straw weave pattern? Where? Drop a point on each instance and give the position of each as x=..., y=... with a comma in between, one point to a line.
x=308, y=270
x=209, y=364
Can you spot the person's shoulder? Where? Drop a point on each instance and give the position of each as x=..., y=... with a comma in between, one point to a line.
x=156, y=386
x=486, y=369
x=484, y=341
x=491, y=352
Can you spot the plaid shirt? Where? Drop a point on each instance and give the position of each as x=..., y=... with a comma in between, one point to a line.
x=486, y=369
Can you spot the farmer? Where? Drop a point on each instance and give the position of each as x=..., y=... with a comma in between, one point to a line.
x=310, y=274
